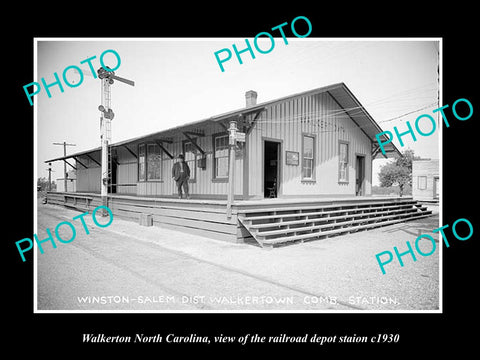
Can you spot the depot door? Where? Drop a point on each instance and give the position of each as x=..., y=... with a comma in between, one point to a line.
x=271, y=168
x=359, y=175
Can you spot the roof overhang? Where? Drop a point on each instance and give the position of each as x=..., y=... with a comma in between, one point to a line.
x=86, y=152
x=163, y=135
x=346, y=100
x=339, y=92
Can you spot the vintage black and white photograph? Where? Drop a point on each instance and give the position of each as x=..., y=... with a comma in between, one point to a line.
x=269, y=174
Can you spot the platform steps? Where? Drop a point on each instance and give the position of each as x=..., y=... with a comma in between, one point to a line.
x=270, y=227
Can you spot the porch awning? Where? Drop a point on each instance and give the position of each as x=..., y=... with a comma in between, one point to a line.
x=164, y=135
x=339, y=92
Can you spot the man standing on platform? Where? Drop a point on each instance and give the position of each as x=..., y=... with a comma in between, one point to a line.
x=181, y=174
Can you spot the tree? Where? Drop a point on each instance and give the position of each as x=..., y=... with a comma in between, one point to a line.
x=42, y=184
x=392, y=174
x=406, y=159
x=398, y=172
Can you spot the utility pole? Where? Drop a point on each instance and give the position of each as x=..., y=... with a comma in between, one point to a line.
x=64, y=162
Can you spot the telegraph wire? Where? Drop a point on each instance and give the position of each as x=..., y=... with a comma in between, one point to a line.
x=330, y=120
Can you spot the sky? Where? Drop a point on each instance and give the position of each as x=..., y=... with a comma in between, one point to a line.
x=178, y=81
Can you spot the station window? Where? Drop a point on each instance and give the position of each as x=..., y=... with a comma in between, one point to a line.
x=141, y=162
x=154, y=162
x=308, y=157
x=343, y=162
x=149, y=162
x=221, y=156
x=190, y=153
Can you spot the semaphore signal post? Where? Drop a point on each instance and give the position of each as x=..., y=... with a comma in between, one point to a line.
x=107, y=77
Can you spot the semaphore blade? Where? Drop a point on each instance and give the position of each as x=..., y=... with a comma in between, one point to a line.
x=126, y=81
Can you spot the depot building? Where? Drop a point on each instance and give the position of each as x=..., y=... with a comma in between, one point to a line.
x=290, y=153
x=319, y=142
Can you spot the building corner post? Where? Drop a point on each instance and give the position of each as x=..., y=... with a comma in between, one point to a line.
x=231, y=169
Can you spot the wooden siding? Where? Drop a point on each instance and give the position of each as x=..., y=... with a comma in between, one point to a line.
x=429, y=169
x=286, y=121
x=203, y=183
x=88, y=179
x=127, y=169
x=320, y=116
x=203, y=218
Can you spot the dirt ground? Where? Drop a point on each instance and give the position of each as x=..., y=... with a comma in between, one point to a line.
x=128, y=267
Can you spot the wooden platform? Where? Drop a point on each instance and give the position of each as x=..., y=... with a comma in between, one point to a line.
x=202, y=217
x=268, y=222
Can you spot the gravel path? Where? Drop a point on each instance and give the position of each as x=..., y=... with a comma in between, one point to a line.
x=160, y=269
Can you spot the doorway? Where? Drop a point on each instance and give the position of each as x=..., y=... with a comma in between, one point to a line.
x=271, y=169
x=359, y=175
x=436, y=187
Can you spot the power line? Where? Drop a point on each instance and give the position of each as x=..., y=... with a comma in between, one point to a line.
x=329, y=123
x=408, y=113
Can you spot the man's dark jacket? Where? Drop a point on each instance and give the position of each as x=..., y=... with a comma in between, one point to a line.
x=176, y=170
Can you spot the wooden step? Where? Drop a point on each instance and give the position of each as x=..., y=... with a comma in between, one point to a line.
x=342, y=223
x=317, y=234
x=270, y=226
x=263, y=234
x=319, y=211
x=319, y=205
x=328, y=218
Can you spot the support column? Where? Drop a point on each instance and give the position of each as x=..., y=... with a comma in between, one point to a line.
x=65, y=166
x=231, y=169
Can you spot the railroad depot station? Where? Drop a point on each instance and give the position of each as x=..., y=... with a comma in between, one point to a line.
x=298, y=168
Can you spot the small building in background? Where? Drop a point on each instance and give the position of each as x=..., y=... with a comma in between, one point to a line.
x=426, y=180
